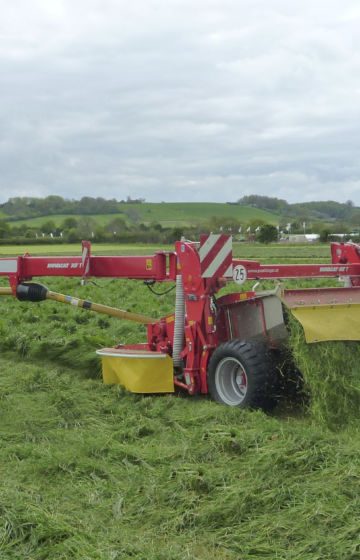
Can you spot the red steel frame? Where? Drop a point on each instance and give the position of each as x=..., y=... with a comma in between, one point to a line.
x=200, y=333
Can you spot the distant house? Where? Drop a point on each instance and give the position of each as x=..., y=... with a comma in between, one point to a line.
x=343, y=236
x=303, y=238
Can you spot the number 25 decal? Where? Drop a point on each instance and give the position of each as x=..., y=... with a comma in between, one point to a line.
x=239, y=274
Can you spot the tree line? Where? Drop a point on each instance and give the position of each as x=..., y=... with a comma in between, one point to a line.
x=20, y=208
x=302, y=211
x=122, y=230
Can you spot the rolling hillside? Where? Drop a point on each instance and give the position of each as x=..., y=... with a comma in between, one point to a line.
x=167, y=214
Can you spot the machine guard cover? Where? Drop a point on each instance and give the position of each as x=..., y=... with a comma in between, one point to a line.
x=325, y=313
x=138, y=371
x=329, y=322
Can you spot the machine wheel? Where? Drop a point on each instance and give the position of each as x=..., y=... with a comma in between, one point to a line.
x=241, y=373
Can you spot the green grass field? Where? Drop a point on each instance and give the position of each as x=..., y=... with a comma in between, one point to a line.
x=90, y=472
x=168, y=214
x=265, y=253
x=75, y=249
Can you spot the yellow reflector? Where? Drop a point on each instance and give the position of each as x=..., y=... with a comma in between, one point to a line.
x=138, y=371
x=329, y=322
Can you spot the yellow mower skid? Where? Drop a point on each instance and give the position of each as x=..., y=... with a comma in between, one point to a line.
x=139, y=371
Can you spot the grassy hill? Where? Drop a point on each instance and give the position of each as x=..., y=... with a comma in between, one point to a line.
x=167, y=214
x=189, y=212
x=35, y=211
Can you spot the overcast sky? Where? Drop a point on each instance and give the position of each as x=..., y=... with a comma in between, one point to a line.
x=180, y=100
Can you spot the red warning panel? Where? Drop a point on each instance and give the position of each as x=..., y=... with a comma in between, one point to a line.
x=215, y=254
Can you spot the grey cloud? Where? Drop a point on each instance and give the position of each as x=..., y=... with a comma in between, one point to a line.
x=180, y=100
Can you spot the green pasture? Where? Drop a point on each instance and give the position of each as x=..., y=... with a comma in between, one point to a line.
x=170, y=214
x=75, y=249
x=264, y=253
x=100, y=219
x=190, y=212
x=91, y=472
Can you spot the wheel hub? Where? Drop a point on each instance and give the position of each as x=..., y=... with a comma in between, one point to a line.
x=231, y=381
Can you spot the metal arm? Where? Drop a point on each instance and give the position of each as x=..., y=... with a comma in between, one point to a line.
x=159, y=267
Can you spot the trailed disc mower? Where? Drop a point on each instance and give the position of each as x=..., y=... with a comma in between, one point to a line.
x=224, y=345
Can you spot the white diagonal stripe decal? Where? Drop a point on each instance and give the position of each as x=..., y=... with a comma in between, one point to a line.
x=229, y=272
x=84, y=255
x=218, y=260
x=8, y=265
x=208, y=245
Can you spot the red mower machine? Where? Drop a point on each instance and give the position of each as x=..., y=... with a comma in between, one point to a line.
x=223, y=346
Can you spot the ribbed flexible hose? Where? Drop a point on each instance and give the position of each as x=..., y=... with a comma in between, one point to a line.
x=179, y=321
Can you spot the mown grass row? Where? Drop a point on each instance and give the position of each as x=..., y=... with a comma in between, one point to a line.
x=91, y=472
x=331, y=371
x=67, y=336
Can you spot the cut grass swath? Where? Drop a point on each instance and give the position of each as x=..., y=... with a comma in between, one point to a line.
x=90, y=471
x=331, y=371
x=68, y=337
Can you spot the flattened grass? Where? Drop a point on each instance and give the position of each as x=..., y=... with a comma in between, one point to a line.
x=68, y=336
x=91, y=472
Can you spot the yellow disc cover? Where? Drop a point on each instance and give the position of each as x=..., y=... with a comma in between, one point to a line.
x=138, y=371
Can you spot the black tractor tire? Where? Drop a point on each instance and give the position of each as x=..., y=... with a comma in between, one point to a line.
x=241, y=373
